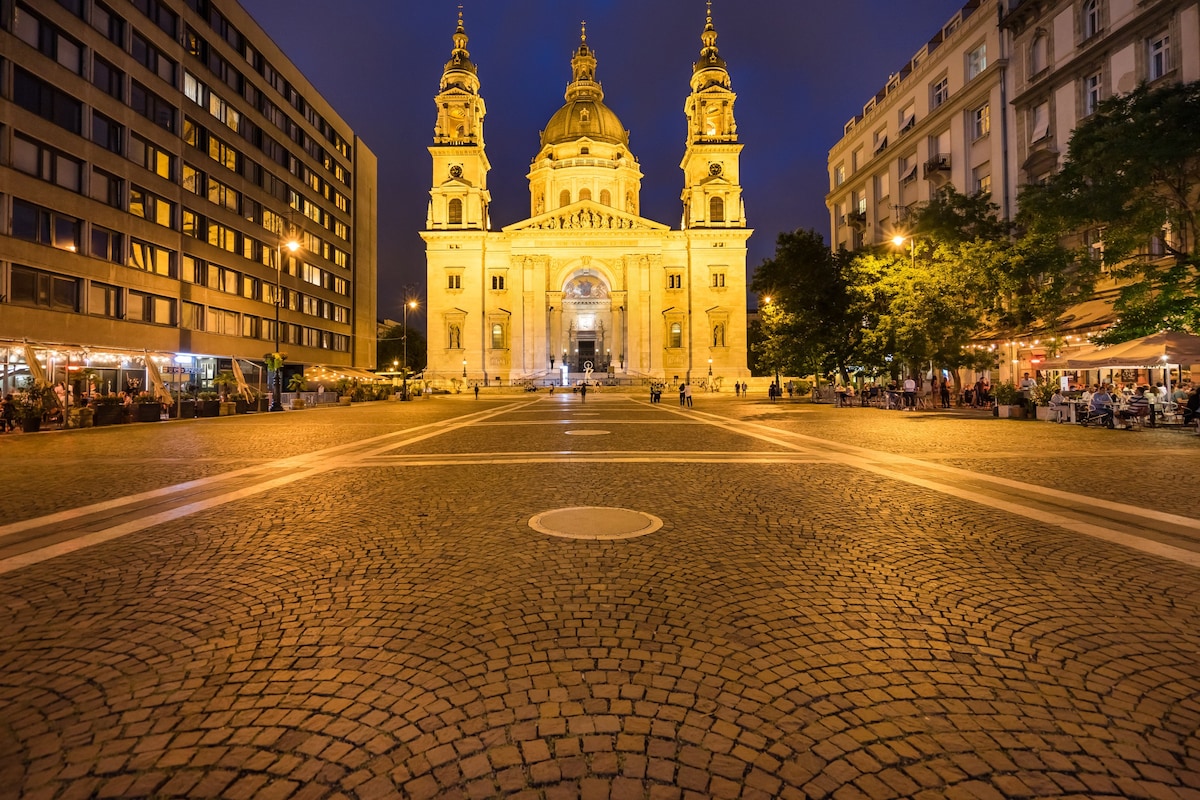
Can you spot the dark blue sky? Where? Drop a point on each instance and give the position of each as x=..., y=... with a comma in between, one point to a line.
x=801, y=68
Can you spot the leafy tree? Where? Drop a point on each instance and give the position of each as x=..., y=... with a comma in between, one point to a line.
x=817, y=325
x=390, y=347
x=1132, y=175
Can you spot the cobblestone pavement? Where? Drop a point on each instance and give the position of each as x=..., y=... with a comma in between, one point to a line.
x=845, y=603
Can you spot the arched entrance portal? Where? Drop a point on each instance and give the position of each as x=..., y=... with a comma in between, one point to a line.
x=588, y=330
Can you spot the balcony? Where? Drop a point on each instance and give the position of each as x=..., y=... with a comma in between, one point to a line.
x=937, y=168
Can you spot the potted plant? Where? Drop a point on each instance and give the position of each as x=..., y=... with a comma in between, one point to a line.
x=109, y=410
x=226, y=385
x=274, y=364
x=297, y=384
x=208, y=404
x=345, y=389
x=80, y=416
x=29, y=404
x=1040, y=396
x=1007, y=401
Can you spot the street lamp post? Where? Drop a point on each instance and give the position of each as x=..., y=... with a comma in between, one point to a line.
x=767, y=300
x=912, y=247
x=404, y=380
x=277, y=383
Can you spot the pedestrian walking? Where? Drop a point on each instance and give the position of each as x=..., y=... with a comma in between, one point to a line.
x=687, y=394
x=583, y=392
x=737, y=389
x=477, y=391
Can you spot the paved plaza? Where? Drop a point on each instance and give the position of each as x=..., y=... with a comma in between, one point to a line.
x=758, y=601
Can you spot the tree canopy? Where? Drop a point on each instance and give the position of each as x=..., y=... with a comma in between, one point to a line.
x=1132, y=180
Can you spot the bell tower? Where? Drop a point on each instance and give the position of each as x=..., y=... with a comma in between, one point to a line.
x=459, y=196
x=712, y=193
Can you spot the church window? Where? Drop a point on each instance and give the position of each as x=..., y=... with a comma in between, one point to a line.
x=719, y=335
x=585, y=194
x=605, y=197
x=675, y=280
x=498, y=282
x=564, y=198
x=716, y=209
x=584, y=115
x=454, y=214
x=1091, y=18
x=676, y=338
x=454, y=282
x=454, y=337
x=497, y=336
x=583, y=151
x=718, y=279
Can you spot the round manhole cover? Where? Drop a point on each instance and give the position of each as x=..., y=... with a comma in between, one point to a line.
x=595, y=522
x=586, y=433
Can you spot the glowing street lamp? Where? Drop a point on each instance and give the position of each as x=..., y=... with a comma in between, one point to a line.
x=404, y=381
x=277, y=384
x=912, y=247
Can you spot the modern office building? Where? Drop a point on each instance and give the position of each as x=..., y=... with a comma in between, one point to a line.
x=173, y=188
x=585, y=282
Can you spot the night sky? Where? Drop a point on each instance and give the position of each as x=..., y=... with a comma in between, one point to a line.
x=801, y=69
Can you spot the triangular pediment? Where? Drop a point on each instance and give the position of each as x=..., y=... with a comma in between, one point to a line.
x=586, y=215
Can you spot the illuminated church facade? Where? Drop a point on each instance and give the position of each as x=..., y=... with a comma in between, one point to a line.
x=585, y=281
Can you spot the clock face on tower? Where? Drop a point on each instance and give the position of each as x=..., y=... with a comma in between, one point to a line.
x=456, y=171
x=714, y=169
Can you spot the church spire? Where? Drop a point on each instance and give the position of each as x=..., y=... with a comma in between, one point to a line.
x=459, y=70
x=584, y=85
x=711, y=69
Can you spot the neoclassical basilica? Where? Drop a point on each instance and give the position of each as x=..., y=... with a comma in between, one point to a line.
x=586, y=282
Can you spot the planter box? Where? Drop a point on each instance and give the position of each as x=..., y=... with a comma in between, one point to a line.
x=109, y=415
x=242, y=406
x=1046, y=413
x=31, y=424
x=80, y=417
x=186, y=409
x=1010, y=412
x=208, y=408
x=147, y=412
x=345, y=400
x=297, y=402
x=227, y=408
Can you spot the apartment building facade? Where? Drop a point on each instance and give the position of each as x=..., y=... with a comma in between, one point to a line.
x=159, y=161
x=940, y=120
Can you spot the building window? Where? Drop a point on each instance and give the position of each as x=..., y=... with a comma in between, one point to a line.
x=1091, y=93
x=982, y=179
x=149, y=155
x=150, y=258
x=1091, y=18
x=675, y=280
x=1040, y=123
x=881, y=140
x=454, y=337
x=40, y=161
x=676, y=337
x=33, y=287
x=36, y=224
x=151, y=106
x=605, y=197
x=149, y=206
x=716, y=209
x=883, y=187
x=104, y=300
x=49, y=40
x=839, y=175
x=454, y=212
x=981, y=121
x=39, y=97
x=106, y=244
x=498, y=282
x=109, y=24
x=497, y=336
x=939, y=92
x=718, y=280
x=108, y=78
x=226, y=322
x=585, y=194
x=1039, y=53
x=976, y=61
x=564, y=198
x=106, y=133
x=1159, y=56
x=454, y=282
x=149, y=57
x=719, y=335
